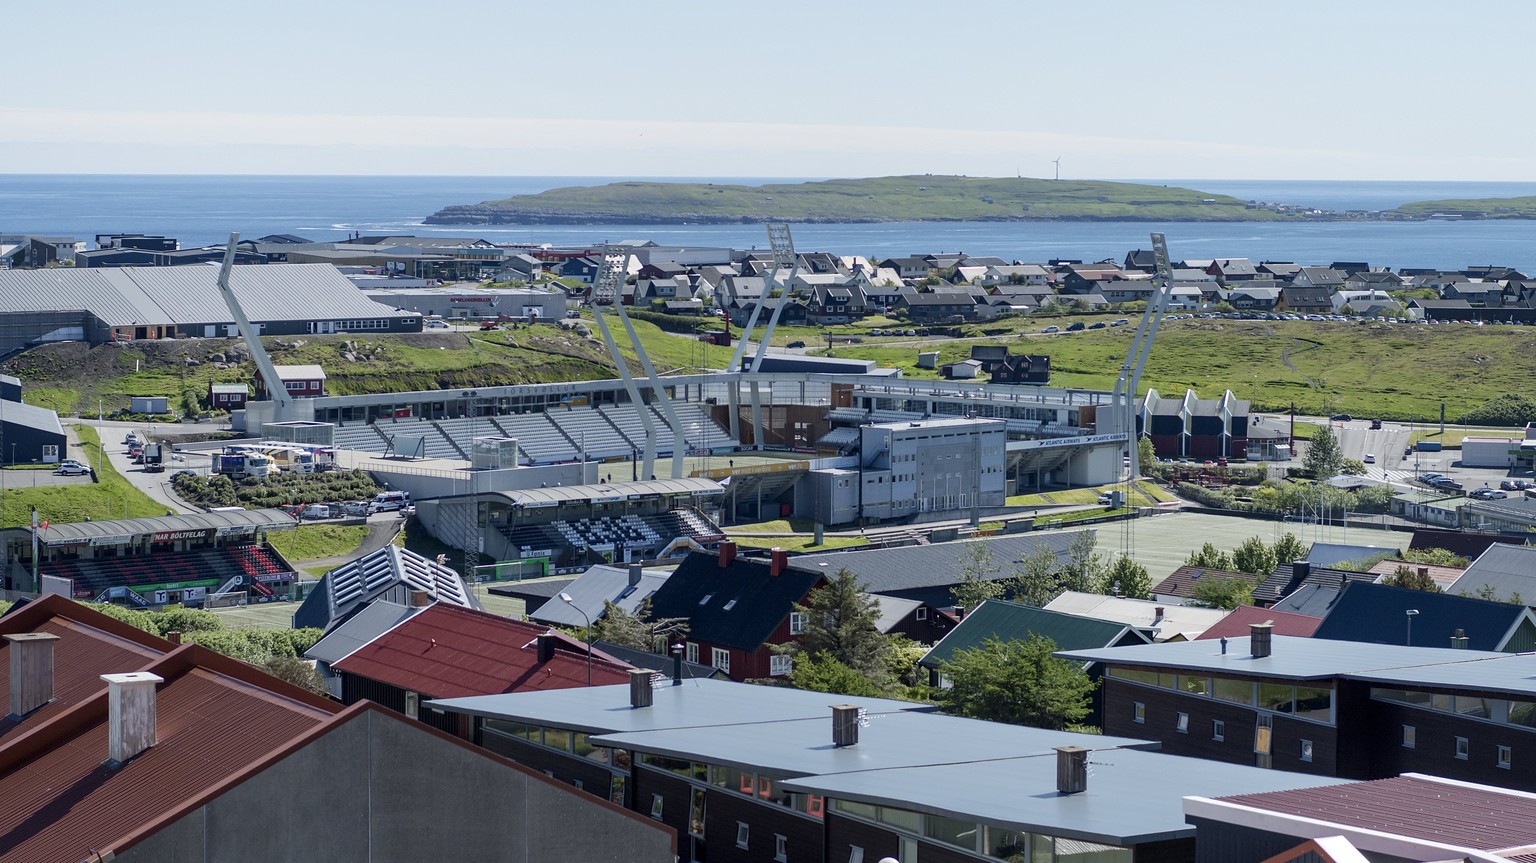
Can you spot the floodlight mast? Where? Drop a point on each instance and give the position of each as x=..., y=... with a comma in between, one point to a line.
x=679, y=434
x=281, y=400
x=1129, y=379
x=783, y=247
x=608, y=287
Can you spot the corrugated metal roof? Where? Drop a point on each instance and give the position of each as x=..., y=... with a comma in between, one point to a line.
x=74, y=532
x=611, y=491
x=375, y=620
x=1169, y=620
x=1420, y=807
x=451, y=652
x=883, y=570
x=1238, y=621
x=597, y=584
x=30, y=416
x=1368, y=612
x=1290, y=658
x=1507, y=569
x=124, y=296
x=1011, y=621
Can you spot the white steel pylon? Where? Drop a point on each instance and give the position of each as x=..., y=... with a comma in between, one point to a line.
x=607, y=289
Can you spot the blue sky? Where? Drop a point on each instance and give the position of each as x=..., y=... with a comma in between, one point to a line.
x=1359, y=89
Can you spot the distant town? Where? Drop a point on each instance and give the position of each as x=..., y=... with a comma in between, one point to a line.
x=436, y=547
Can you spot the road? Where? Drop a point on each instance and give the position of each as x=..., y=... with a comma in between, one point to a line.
x=156, y=485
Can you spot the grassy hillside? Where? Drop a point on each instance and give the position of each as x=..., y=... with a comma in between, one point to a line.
x=1395, y=372
x=110, y=497
x=1477, y=208
x=926, y=198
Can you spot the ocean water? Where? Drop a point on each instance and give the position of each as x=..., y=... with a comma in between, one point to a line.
x=199, y=210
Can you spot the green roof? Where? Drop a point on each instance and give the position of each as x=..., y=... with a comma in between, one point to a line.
x=1011, y=621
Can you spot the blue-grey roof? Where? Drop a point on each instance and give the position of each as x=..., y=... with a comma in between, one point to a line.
x=889, y=570
x=1330, y=553
x=658, y=662
x=1133, y=795
x=1378, y=613
x=31, y=416
x=1290, y=658
x=1506, y=569
x=592, y=587
x=1506, y=673
x=695, y=704
x=803, y=747
x=378, y=618
x=1310, y=599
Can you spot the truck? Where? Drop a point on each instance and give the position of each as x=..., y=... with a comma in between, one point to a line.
x=239, y=465
x=154, y=458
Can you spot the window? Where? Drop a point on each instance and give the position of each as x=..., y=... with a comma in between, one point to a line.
x=1306, y=750
x=1462, y=748
x=779, y=666
x=696, y=814
x=720, y=658
x=1218, y=729
x=1140, y=714
x=796, y=623
x=1410, y=736
x=1505, y=757
x=780, y=847
x=1236, y=691
x=413, y=705
x=1182, y=724
x=855, y=854
x=921, y=613
x=906, y=850
x=692, y=652
x=743, y=832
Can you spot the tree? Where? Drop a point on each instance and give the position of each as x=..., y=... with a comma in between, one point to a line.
x=638, y=631
x=1352, y=467
x=1288, y=549
x=1017, y=682
x=1033, y=580
x=1146, y=454
x=299, y=672
x=840, y=621
x=1323, y=457
x=1411, y=578
x=1434, y=557
x=1253, y=556
x=1083, y=570
x=1210, y=557
x=975, y=568
x=1126, y=577
x=1226, y=593
x=820, y=672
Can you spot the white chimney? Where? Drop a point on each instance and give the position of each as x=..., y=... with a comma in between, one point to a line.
x=130, y=713
x=31, y=671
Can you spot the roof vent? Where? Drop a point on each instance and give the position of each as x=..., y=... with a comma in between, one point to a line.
x=845, y=724
x=640, y=691
x=130, y=714
x=1459, y=640
x=1072, y=769
x=636, y=571
x=31, y=671
x=1259, y=637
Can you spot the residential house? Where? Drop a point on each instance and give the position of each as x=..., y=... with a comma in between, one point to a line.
x=1366, y=303
x=1140, y=259
x=1254, y=299
x=1284, y=271
x=626, y=588
x=1287, y=578
x=795, y=312
x=583, y=269
x=301, y=381
x=524, y=267
x=1161, y=621
x=1239, y=623
x=1350, y=268
x=1475, y=293
x=1503, y=570
x=937, y=307
x=1442, y=576
x=836, y=304
x=1365, y=280
x=1033, y=275
x=1083, y=279
x=1229, y=270
x=445, y=651
x=1307, y=301
x=1378, y=614
x=990, y=356
x=911, y=267
x=1179, y=586
x=1458, y=542
x=1028, y=369
x=1128, y=291
x=1318, y=277
x=1187, y=297
x=961, y=369
x=1193, y=276
x=228, y=397
x=662, y=270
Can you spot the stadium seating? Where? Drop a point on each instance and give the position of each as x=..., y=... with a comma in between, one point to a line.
x=644, y=535
x=213, y=565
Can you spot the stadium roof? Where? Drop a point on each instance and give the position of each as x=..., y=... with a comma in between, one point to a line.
x=535, y=497
x=1290, y=659
x=126, y=296
x=74, y=533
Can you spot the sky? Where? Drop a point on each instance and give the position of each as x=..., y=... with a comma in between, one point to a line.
x=1293, y=90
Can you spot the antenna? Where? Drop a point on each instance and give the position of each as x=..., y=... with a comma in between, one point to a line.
x=1057, y=161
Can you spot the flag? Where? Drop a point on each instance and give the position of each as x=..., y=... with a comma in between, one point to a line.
x=45, y=524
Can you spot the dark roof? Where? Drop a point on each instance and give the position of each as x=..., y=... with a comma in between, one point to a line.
x=1423, y=807
x=1312, y=600
x=451, y=652
x=1468, y=545
x=1183, y=580
x=1011, y=621
x=1330, y=553
x=891, y=570
x=1237, y=623
x=1377, y=613
x=592, y=588
x=1506, y=569
x=1283, y=581
x=658, y=662
x=700, y=590
x=379, y=617
x=533, y=593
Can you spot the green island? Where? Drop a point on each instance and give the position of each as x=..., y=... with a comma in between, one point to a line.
x=921, y=198
x=1471, y=208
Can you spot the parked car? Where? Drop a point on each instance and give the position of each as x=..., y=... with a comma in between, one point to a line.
x=1509, y=485
x=184, y=473
x=1340, y=418
x=438, y=325
x=1119, y=322
x=316, y=510
x=1375, y=424
x=795, y=344
x=1075, y=326
x=1097, y=325
x=1486, y=493
x=1051, y=330
x=72, y=470
x=356, y=507
x=1369, y=459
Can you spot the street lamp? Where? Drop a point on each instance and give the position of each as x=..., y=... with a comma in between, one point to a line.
x=566, y=598
x=1410, y=613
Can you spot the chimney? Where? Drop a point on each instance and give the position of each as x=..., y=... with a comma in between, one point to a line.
x=727, y=553
x=635, y=572
x=677, y=664
x=130, y=714
x=547, y=643
x=845, y=724
x=1300, y=569
x=1259, y=638
x=1458, y=641
x=31, y=671
x=640, y=687
x=173, y=637
x=1423, y=572
x=1072, y=769
x=420, y=599
x=1157, y=613
x=959, y=612
x=780, y=560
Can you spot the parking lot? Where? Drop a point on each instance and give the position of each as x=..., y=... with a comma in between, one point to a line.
x=38, y=478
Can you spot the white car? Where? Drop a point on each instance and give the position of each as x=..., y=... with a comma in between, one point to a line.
x=1369, y=459
x=72, y=469
x=438, y=325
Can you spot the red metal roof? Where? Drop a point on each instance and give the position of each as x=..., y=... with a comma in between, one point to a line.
x=1470, y=816
x=1237, y=623
x=451, y=652
x=216, y=717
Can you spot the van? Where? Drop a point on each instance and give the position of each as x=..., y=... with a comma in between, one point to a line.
x=316, y=510
x=356, y=507
x=390, y=501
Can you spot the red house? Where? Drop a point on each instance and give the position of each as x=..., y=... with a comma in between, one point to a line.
x=301, y=381
x=228, y=397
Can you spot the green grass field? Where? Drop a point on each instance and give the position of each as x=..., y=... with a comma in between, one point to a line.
x=800, y=542
x=312, y=541
x=110, y=497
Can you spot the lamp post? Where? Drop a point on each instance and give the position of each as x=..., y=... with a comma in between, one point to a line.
x=1409, y=615
x=566, y=598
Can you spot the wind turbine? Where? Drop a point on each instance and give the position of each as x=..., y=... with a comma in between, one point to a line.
x=1057, y=162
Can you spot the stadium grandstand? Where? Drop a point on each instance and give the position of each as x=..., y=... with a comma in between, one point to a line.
x=195, y=560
